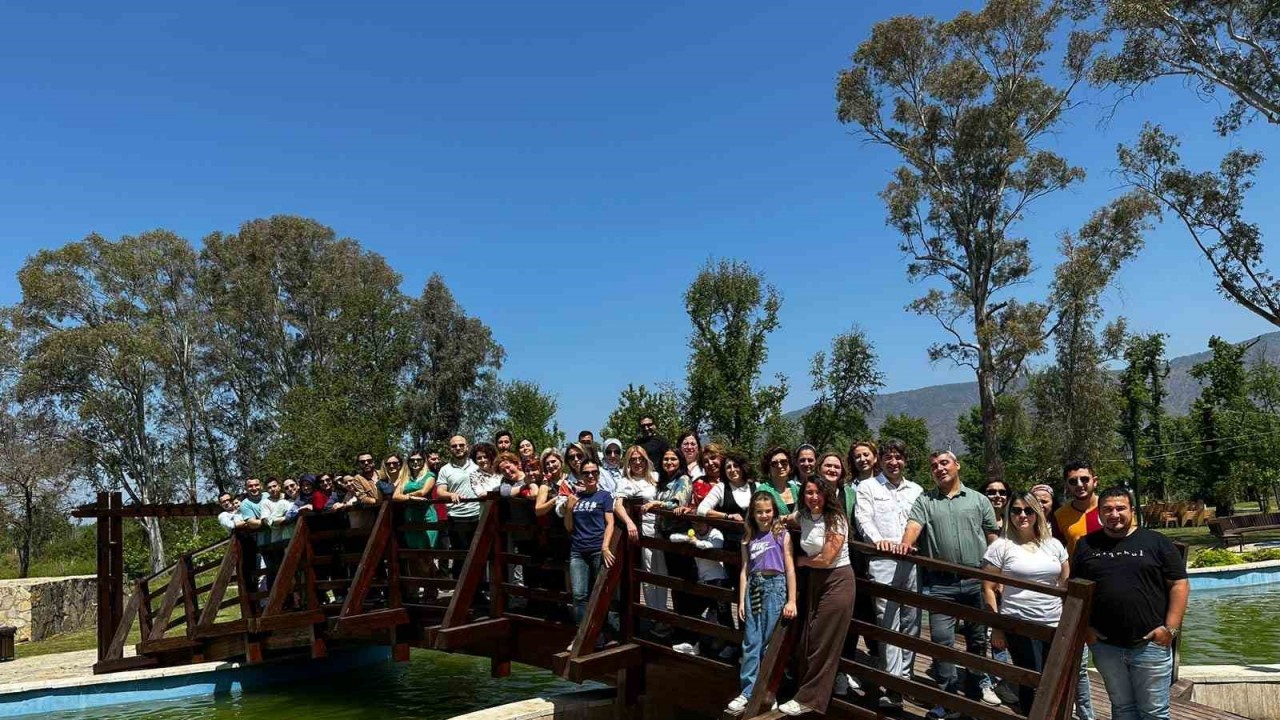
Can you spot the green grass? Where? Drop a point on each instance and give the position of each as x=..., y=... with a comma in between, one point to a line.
x=49, y=567
x=1199, y=539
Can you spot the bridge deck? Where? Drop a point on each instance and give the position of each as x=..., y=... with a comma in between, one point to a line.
x=368, y=578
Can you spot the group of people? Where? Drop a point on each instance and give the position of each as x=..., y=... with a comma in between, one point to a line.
x=585, y=493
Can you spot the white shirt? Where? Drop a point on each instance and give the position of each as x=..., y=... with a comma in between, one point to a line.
x=707, y=569
x=230, y=519
x=273, y=511
x=1040, y=563
x=882, y=509
x=741, y=494
x=629, y=488
x=813, y=537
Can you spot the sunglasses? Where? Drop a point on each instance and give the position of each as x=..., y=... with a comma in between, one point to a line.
x=591, y=473
x=612, y=452
x=637, y=459
x=416, y=460
x=366, y=461
x=780, y=463
x=393, y=463
x=1022, y=511
x=1079, y=480
x=574, y=457
x=997, y=493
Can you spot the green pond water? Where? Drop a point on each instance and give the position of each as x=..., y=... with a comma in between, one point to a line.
x=431, y=686
x=1237, y=626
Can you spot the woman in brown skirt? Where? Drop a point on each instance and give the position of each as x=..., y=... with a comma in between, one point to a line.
x=824, y=538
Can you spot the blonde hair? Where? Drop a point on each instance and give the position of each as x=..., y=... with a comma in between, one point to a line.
x=1039, y=528
x=649, y=473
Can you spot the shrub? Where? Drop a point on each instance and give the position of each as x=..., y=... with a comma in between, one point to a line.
x=1216, y=557
x=1261, y=555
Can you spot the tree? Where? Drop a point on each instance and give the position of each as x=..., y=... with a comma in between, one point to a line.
x=1143, y=423
x=453, y=370
x=1211, y=44
x=1221, y=415
x=1022, y=469
x=35, y=483
x=663, y=405
x=529, y=413
x=733, y=311
x=845, y=384
x=1074, y=401
x=965, y=103
x=1210, y=206
x=93, y=352
x=913, y=431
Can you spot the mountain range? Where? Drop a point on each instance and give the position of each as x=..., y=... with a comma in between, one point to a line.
x=941, y=405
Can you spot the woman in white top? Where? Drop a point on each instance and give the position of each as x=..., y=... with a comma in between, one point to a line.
x=824, y=538
x=639, y=481
x=1025, y=550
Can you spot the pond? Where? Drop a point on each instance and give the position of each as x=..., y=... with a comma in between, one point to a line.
x=431, y=686
x=1233, y=626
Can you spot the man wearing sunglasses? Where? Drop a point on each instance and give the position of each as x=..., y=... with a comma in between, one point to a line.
x=1075, y=520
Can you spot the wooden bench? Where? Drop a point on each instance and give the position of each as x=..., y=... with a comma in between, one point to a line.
x=1233, y=528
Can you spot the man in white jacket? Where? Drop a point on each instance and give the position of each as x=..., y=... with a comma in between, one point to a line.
x=881, y=511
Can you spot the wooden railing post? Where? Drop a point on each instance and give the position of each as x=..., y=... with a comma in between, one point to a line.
x=1063, y=662
x=107, y=622
x=769, y=676
x=472, y=568
x=601, y=597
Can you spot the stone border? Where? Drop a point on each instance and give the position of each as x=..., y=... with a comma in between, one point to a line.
x=171, y=683
x=1235, y=576
x=579, y=704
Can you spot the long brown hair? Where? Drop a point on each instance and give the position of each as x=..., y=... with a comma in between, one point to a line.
x=832, y=512
x=778, y=526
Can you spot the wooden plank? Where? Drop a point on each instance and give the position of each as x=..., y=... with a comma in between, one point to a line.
x=921, y=561
x=227, y=569
x=172, y=594
x=558, y=596
x=137, y=662
x=772, y=667
x=190, y=607
x=609, y=660
x=714, y=592
x=287, y=621
x=1025, y=628
x=369, y=561
x=105, y=621
x=115, y=647
x=472, y=568
x=222, y=629
x=287, y=573
x=597, y=610
x=723, y=556
x=472, y=633
x=374, y=620
x=1064, y=655
x=930, y=694
x=429, y=554
x=709, y=663
x=1012, y=673
x=701, y=627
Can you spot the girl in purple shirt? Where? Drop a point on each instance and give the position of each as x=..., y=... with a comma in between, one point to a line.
x=767, y=588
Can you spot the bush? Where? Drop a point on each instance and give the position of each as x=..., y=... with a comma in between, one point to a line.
x=1216, y=557
x=1262, y=555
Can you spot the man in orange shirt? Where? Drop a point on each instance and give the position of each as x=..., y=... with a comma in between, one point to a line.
x=1080, y=516
x=1075, y=520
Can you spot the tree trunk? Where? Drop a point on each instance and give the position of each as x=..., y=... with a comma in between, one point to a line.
x=28, y=525
x=151, y=528
x=993, y=466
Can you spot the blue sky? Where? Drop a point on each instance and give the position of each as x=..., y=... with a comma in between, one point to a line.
x=567, y=167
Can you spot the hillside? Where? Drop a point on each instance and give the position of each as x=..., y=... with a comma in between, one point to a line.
x=940, y=405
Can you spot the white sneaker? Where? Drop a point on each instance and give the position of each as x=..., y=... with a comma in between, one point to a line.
x=989, y=697
x=737, y=705
x=685, y=649
x=853, y=682
x=791, y=707
x=890, y=700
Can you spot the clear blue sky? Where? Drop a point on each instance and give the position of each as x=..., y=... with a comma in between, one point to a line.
x=566, y=166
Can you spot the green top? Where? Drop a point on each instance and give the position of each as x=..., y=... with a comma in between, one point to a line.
x=955, y=527
x=783, y=507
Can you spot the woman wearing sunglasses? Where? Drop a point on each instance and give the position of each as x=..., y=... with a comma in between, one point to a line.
x=1025, y=550
x=998, y=494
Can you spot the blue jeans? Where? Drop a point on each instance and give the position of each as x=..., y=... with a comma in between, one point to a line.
x=942, y=630
x=1137, y=679
x=584, y=568
x=766, y=595
x=1084, y=698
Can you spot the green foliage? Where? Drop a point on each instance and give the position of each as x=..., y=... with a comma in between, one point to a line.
x=529, y=413
x=1216, y=557
x=1210, y=205
x=733, y=311
x=1143, y=424
x=663, y=405
x=913, y=431
x=936, y=92
x=1016, y=446
x=845, y=383
x=1211, y=44
x=453, y=370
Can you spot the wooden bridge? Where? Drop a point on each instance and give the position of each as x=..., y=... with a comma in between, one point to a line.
x=351, y=579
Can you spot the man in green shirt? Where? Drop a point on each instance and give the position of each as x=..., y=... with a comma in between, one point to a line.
x=957, y=523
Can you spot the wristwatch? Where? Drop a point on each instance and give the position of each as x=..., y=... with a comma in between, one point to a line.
x=1174, y=631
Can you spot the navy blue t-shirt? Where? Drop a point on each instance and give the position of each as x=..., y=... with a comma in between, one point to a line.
x=588, y=521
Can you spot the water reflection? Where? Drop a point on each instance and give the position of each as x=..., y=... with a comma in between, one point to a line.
x=1232, y=627
x=431, y=686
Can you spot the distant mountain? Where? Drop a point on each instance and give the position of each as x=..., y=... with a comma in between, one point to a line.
x=940, y=405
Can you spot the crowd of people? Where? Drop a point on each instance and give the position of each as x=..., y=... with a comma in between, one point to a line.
x=579, y=496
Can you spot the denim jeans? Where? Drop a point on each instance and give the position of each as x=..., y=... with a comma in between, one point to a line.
x=942, y=630
x=766, y=594
x=1084, y=696
x=1137, y=679
x=583, y=570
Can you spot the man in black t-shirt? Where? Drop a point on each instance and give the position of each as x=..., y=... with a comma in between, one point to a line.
x=654, y=444
x=1139, y=596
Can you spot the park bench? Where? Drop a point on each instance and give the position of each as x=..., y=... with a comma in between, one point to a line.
x=1233, y=528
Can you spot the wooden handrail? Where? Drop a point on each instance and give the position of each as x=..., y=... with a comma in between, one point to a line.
x=961, y=570
x=597, y=612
